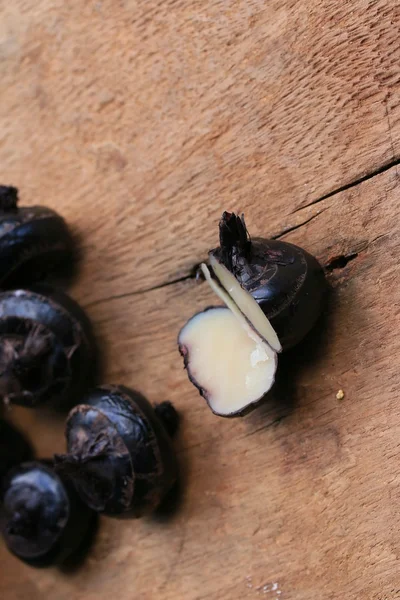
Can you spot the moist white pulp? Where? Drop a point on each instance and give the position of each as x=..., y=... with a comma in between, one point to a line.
x=227, y=360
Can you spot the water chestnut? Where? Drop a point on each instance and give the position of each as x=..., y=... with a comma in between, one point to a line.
x=119, y=452
x=34, y=241
x=226, y=358
x=42, y=518
x=273, y=292
x=47, y=350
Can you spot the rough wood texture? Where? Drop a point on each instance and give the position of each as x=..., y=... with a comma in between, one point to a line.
x=141, y=122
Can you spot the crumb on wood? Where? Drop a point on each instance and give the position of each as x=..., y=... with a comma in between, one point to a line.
x=340, y=395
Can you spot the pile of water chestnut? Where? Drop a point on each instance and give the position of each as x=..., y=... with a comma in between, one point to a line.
x=119, y=458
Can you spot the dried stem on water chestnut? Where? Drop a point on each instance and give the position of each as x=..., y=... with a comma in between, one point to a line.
x=47, y=350
x=119, y=452
x=34, y=241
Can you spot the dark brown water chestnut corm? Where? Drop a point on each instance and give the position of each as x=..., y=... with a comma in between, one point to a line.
x=14, y=448
x=286, y=281
x=34, y=241
x=120, y=457
x=43, y=520
x=47, y=351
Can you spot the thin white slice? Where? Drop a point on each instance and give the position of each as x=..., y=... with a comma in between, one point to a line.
x=246, y=303
x=224, y=296
x=226, y=359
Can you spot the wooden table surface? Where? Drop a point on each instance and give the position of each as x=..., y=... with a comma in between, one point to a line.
x=141, y=122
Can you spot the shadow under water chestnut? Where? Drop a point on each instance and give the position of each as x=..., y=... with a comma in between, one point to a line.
x=274, y=293
x=34, y=241
x=47, y=351
x=119, y=452
x=43, y=520
x=14, y=448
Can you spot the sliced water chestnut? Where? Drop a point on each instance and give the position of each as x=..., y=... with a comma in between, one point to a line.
x=274, y=292
x=119, y=452
x=34, y=241
x=286, y=281
x=14, y=448
x=47, y=350
x=42, y=518
x=227, y=359
x=232, y=369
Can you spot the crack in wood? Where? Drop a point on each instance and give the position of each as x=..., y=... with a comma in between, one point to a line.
x=337, y=262
x=290, y=229
x=192, y=275
x=386, y=167
x=340, y=262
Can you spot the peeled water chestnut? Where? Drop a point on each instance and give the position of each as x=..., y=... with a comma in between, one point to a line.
x=119, y=452
x=47, y=351
x=274, y=293
x=34, y=241
x=42, y=518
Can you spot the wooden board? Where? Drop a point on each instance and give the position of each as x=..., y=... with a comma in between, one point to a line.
x=141, y=122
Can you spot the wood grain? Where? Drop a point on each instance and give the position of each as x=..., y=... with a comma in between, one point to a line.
x=141, y=122
x=304, y=492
